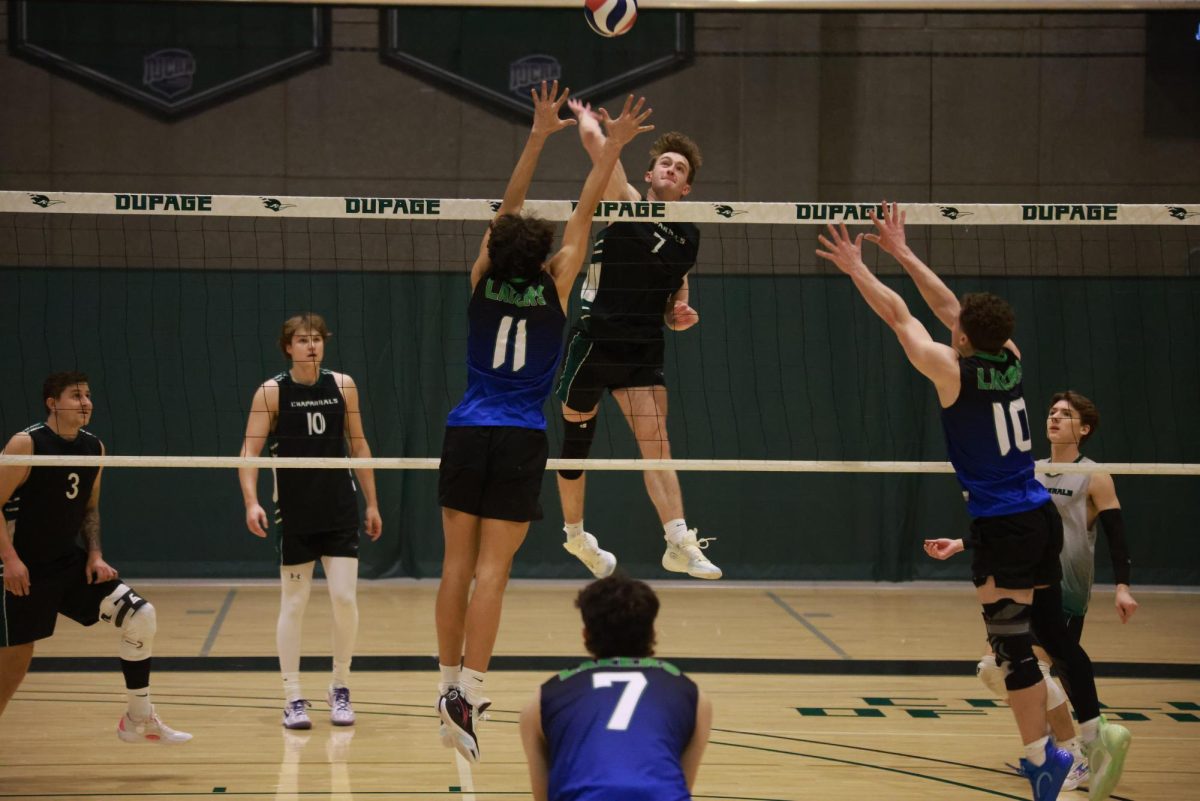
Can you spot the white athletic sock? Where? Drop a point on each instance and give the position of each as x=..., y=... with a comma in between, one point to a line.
x=341, y=574
x=1035, y=752
x=1089, y=730
x=449, y=677
x=471, y=682
x=573, y=529
x=295, y=584
x=675, y=530
x=291, y=687
x=139, y=704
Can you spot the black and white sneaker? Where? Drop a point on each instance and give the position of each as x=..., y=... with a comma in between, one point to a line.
x=459, y=719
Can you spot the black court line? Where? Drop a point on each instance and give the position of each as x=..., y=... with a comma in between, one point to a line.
x=804, y=622
x=553, y=664
x=216, y=626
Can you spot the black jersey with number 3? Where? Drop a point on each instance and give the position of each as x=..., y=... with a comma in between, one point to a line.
x=48, y=508
x=636, y=267
x=312, y=422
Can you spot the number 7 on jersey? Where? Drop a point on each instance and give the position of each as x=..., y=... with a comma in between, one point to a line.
x=635, y=684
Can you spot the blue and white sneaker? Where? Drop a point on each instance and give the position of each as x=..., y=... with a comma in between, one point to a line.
x=295, y=715
x=340, y=711
x=1079, y=772
x=1047, y=779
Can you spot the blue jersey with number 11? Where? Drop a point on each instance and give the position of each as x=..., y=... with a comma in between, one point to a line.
x=617, y=729
x=989, y=439
x=514, y=342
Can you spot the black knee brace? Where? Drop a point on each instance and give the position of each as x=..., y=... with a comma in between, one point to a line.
x=1008, y=633
x=577, y=443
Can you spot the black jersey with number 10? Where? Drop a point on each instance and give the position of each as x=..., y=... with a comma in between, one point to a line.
x=312, y=422
x=636, y=267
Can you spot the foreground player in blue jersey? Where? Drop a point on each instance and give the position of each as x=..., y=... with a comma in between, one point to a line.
x=494, y=453
x=622, y=726
x=1017, y=528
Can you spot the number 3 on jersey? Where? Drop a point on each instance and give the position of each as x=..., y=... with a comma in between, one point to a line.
x=635, y=685
x=1020, y=426
x=500, y=352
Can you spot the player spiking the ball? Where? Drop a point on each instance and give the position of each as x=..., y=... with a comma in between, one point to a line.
x=636, y=286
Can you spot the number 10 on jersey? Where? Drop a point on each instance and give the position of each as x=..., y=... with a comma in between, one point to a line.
x=1020, y=426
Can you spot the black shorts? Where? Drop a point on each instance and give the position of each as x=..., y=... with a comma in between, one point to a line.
x=493, y=471
x=594, y=365
x=56, y=588
x=1020, y=550
x=300, y=549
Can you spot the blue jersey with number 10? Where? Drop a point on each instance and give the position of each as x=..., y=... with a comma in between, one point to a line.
x=989, y=439
x=514, y=342
x=617, y=729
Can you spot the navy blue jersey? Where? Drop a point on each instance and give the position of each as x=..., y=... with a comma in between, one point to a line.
x=989, y=439
x=617, y=729
x=48, y=509
x=312, y=422
x=514, y=341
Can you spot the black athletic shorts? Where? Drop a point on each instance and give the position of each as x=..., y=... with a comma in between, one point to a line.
x=54, y=588
x=1020, y=550
x=493, y=471
x=594, y=365
x=299, y=549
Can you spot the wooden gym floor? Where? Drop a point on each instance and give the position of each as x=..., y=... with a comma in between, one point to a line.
x=838, y=691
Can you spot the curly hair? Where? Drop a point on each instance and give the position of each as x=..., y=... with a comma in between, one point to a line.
x=675, y=142
x=57, y=383
x=1089, y=415
x=307, y=321
x=618, y=617
x=988, y=321
x=519, y=245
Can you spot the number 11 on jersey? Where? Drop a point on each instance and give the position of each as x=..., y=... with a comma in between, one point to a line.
x=500, y=352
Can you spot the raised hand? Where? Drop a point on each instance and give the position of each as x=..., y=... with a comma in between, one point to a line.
x=844, y=252
x=624, y=128
x=890, y=227
x=546, y=105
x=583, y=110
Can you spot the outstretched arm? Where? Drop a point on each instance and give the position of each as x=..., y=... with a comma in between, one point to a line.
x=592, y=135
x=566, y=262
x=545, y=122
x=890, y=238
x=935, y=361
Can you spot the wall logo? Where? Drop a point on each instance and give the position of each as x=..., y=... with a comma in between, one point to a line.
x=43, y=201
x=170, y=58
x=951, y=213
x=495, y=204
x=530, y=71
x=274, y=204
x=727, y=211
x=1180, y=213
x=169, y=72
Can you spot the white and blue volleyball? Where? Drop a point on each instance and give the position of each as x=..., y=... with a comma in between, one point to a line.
x=610, y=17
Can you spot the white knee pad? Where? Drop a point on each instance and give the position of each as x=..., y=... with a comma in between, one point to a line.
x=1055, y=697
x=992, y=675
x=135, y=620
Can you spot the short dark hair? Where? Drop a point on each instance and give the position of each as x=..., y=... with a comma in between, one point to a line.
x=519, y=245
x=306, y=320
x=56, y=383
x=988, y=320
x=1089, y=415
x=675, y=142
x=618, y=617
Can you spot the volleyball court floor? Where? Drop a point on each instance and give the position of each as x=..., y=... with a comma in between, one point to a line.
x=838, y=691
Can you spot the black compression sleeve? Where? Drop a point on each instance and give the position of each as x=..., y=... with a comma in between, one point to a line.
x=1118, y=548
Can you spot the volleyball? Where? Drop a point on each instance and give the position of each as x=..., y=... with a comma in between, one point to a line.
x=610, y=17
